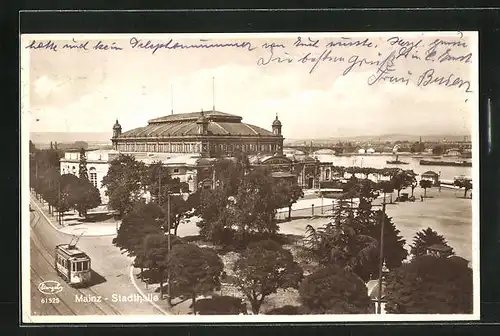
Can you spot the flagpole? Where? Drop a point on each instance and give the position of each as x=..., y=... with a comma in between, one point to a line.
x=213, y=93
x=171, y=99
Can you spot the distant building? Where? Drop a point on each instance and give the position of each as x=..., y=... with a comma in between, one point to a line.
x=430, y=176
x=370, y=151
x=453, y=152
x=97, y=166
x=361, y=151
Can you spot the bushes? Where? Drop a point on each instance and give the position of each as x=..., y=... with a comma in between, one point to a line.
x=221, y=305
x=286, y=310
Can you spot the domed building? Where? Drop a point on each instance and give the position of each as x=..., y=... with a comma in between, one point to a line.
x=207, y=134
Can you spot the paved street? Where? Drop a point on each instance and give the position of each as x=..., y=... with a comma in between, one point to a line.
x=111, y=279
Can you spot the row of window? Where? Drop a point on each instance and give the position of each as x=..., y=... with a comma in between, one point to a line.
x=77, y=266
x=193, y=148
x=92, y=174
x=80, y=266
x=161, y=148
x=247, y=148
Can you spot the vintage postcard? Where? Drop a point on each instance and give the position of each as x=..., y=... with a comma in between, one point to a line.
x=298, y=177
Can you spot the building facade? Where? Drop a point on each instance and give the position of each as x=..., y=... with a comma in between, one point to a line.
x=97, y=167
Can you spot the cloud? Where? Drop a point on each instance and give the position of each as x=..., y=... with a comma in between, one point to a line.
x=45, y=86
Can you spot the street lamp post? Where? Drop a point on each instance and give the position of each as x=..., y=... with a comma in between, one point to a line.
x=381, y=261
x=59, y=202
x=169, y=247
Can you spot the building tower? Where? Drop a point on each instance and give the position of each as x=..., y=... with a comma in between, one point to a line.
x=202, y=124
x=276, y=126
x=117, y=129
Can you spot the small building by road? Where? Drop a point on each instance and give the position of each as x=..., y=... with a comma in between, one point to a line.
x=431, y=176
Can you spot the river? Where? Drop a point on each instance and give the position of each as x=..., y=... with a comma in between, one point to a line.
x=379, y=161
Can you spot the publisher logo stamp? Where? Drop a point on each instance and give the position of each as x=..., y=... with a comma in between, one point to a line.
x=50, y=287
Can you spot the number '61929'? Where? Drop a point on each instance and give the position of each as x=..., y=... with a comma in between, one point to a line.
x=50, y=300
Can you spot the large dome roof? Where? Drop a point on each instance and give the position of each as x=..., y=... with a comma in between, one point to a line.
x=185, y=124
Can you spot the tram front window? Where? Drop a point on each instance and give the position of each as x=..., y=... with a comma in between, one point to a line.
x=79, y=266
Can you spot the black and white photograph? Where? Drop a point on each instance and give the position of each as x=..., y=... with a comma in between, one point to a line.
x=258, y=177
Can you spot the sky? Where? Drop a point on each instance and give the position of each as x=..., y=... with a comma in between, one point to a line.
x=76, y=90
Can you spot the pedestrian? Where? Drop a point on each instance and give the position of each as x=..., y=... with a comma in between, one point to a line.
x=421, y=198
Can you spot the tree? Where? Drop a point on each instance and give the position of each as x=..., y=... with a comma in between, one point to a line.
x=217, y=221
x=341, y=243
x=230, y=173
x=87, y=196
x=403, y=180
x=394, y=251
x=194, y=270
x=256, y=203
x=437, y=150
x=351, y=187
x=82, y=167
x=424, y=239
x=425, y=184
x=464, y=183
x=334, y=290
x=417, y=147
x=228, y=219
x=179, y=209
x=159, y=182
x=153, y=252
x=291, y=193
x=387, y=187
x=48, y=184
x=264, y=268
x=123, y=183
x=144, y=219
x=32, y=147
x=68, y=192
x=430, y=285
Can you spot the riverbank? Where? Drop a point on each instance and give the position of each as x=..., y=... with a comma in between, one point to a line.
x=445, y=211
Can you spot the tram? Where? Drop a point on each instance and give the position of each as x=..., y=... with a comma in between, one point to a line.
x=72, y=264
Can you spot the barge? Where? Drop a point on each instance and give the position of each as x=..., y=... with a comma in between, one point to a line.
x=445, y=163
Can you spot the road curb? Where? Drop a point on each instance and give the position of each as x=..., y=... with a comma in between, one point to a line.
x=132, y=280
x=61, y=231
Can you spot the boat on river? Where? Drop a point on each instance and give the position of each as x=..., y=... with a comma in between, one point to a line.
x=395, y=161
x=445, y=163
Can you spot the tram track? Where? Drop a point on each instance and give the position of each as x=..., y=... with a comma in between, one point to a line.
x=44, y=253
x=55, y=306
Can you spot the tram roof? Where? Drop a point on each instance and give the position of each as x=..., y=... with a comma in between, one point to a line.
x=71, y=250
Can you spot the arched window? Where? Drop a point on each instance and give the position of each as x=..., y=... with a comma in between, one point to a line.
x=93, y=176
